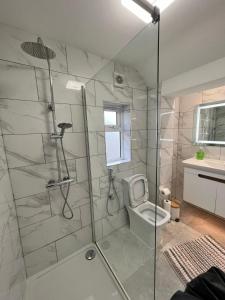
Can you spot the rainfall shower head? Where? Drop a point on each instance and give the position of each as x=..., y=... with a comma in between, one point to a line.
x=38, y=49
x=63, y=127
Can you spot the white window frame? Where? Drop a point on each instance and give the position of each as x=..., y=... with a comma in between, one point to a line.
x=119, y=127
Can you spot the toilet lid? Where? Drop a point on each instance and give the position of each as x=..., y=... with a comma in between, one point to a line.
x=138, y=190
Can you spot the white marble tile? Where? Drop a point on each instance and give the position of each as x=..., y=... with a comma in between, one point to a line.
x=185, y=136
x=26, y=117
x=78, y=196
x=215, y=94
x=105, y=74
x=74, y=146
x=98, y=166
x=40, y=259
x=73, y=242
x=187, y=120
x=115, y=222
x=62, y=92
x=212, y=152
x=85, y=214
x=132, y=77
x=33, y=209
x=95, y=118
x=189, y=102
x=140, y=99
x=47, y=231
x=98, y=230
x=168, y=119
x=30, y=180
x=24, y=150
x=138, y=119
x=99, y=205
x=139, y=139
x=81, y=169
x=77, y=118
x=3, y=162
x=83, y=63
x=10, y=49
x=106, y=92
x=17, y=82
x=222, y=153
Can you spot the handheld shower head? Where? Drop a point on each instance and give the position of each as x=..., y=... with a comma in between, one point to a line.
x=63, y=127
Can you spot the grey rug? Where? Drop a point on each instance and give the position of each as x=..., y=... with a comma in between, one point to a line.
x=191, y=258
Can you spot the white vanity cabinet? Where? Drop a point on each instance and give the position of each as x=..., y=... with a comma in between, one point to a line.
x=204, y=189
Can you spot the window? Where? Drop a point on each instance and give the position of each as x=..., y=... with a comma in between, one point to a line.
x=117, y=133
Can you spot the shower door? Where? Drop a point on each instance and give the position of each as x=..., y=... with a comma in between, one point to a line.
x=122, y=131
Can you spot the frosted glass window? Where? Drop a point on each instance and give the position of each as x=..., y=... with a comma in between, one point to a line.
x=110, y=118
x=113, y=146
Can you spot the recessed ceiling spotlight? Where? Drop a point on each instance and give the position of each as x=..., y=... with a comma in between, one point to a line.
x=140, y=12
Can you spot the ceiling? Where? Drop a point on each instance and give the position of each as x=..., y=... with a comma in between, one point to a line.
x=192, y=31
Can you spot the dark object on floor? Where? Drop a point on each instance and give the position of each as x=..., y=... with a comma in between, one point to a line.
x=192, y=258
x=207, y=286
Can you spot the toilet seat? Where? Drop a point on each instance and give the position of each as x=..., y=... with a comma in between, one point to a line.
x=138, y=190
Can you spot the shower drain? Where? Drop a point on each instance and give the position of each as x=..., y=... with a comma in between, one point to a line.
x=90, y=254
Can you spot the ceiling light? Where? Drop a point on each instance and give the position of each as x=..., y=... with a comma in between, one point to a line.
x=74, y=85
x=161, y=4
x=137, y=10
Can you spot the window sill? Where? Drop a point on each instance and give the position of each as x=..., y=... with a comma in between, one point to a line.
x=118, y=162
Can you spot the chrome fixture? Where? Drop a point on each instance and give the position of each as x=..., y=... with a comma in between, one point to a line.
x=39, y=50
x=112, y=192
x=90, y=254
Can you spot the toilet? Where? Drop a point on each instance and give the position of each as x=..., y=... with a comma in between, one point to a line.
x=142, y=212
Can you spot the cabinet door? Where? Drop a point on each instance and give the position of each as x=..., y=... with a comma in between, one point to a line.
x=200, y=192
x=220, y=201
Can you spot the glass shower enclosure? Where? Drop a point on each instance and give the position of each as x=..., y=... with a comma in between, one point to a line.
x=121, y=119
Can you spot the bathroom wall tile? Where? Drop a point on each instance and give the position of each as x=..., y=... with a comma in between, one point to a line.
x=112, y=223
x=47, y=231
x=78, y=196
x=152, y=120
x=81, y=169
x=40, y=259
x=152, y=138
x=212, y=152
x=98, y=230
x=98, y=166
x=187, y=120
x=139, y=139
x=105, y=74
x=24, y=150
x=189, y=102
x=95, y=119
x=106, y=92
x=93, y=143
x=83, y=63
x=186, y=136
x=166, y=174
x=74, y=145
x=215, y=94
x=17, y=82
x=33, y=209
x=140, y=99
x=152, y=99
x=3, y=162
x=138, y=119
x=99, y=205
x=77, y=118
x=30, y=180
x=222, y=153
x=10, y=49
x=27, y=117
x=62, y=92
x=85, y=215
x=73, y=242
x=131, y=76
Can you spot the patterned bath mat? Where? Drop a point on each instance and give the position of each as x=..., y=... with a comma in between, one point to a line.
x=194, y=257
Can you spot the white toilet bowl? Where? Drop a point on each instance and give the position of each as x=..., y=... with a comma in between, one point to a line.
x=142, y=212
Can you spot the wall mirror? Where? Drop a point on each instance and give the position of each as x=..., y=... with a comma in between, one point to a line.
x=209, y=126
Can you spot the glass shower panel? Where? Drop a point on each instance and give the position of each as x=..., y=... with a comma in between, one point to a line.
x=128, y=82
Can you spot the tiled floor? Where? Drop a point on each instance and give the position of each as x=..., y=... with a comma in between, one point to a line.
x=133, y=261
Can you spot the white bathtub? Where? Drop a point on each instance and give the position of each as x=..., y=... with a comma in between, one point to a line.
x=74, y=278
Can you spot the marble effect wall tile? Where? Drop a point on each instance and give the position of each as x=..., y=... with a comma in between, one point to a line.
x=40, y=259
x=33, y=209
x=24, y=150
x=17, y=82
x=10, y=49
